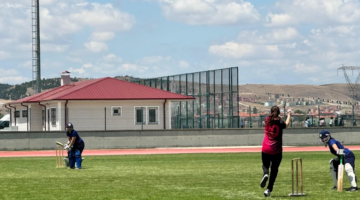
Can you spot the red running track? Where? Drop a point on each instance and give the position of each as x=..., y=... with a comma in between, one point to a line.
x=102, y=152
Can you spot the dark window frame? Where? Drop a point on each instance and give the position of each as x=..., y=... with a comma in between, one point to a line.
x=53, y=116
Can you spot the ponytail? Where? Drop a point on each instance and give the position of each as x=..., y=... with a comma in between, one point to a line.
x=275, y=113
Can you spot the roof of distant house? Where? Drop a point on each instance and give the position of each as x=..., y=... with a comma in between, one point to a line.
x=103, y=89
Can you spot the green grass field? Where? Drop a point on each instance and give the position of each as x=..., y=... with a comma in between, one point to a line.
x=180, y=176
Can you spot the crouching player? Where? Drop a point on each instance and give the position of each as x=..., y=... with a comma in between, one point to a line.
x=349, y=160
x=76, y=145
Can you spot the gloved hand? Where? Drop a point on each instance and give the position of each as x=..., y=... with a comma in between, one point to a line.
x=340, y=152
x=66, y=147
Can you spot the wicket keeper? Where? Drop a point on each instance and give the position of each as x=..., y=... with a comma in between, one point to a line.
x=349, y=160
x=76, y=145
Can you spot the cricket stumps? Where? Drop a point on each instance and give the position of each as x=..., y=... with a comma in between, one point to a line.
x=298, y=162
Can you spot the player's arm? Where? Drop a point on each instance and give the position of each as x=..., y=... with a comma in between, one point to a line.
x=335, y=147
x=337, y=150
x=288, y=119
x=72, y=141
x=69, y=139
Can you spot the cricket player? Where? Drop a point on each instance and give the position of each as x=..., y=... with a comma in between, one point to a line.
x=349, y=160
x=76, y=145
x=272, y=147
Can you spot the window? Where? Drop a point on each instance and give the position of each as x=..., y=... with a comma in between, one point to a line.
x=153, y=115
x=146, y=115
x=24, y=113
x=17, y=114
x=116, y=110
x=140, y=117
x=53, y=116
x=43, y=117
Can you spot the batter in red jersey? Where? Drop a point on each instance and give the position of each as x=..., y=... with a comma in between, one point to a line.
x=272, y=147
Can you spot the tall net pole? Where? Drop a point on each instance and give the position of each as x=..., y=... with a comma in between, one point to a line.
x=36, y=69
x=353, y=87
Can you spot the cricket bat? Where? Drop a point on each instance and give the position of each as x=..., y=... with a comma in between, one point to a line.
x=59, y=143
x=340, y=175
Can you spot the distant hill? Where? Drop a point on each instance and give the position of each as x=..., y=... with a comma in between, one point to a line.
x=336, y=91
x=25, y=89
x=4, y=86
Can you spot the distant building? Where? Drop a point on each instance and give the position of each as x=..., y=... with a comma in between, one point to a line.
x=98, y=104
x=269, y=103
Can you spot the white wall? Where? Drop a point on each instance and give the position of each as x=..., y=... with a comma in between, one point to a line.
x=90, y=115
x=21, y=122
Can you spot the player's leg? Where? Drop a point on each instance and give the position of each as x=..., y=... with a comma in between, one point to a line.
x=78, y=152
x=349, y=168
x=334, y=164
x=275, y=163
x=265, y=166
x=72, y=159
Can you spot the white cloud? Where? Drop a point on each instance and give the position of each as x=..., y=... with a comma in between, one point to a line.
x=209, y=12
x=102, y=36
x=183, y=64
x=87, y=65
x=111, y=58
x=314, y=11
x=4, y=55
x=132, y=67
x=279, y=19
x=74, y=59
x=232, y=49
x=8, y=72
x=307, y=42
x=54, y=47
x=102, y=17
x=96, y=46
x=307, y=69
x=283, y=34
x=13, y=79
x=78, y=70
x=149, y=60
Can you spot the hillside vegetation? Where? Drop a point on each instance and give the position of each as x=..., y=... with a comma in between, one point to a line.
x=25, y=89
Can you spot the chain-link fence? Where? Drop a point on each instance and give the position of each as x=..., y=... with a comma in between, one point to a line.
x=303, y=121
x=216, y=92
x=133, y=117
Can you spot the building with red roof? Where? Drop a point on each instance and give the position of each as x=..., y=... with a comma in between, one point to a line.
x=97, y=104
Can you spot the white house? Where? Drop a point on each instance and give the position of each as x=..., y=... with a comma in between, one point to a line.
x=269, y=103
x=98, y=104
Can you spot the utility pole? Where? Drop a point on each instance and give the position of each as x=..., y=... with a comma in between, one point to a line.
x=319, y=115
x=353, y=87
x=250, y=117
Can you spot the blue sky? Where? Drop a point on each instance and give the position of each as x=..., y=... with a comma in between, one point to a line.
x=272, y=42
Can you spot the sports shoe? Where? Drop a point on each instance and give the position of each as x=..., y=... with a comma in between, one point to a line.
x=264, y=180
x=334, y=188
x=352, y=189
x=267, y=193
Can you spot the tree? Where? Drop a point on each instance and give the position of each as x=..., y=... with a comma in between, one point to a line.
x=298, y=112
x=255, y=110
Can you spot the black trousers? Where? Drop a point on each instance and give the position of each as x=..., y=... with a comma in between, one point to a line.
x=274, y=161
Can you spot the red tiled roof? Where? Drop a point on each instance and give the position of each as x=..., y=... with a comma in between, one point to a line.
x=103, y=89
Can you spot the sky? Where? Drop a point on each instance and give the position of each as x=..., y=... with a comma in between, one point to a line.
x=271, y=42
